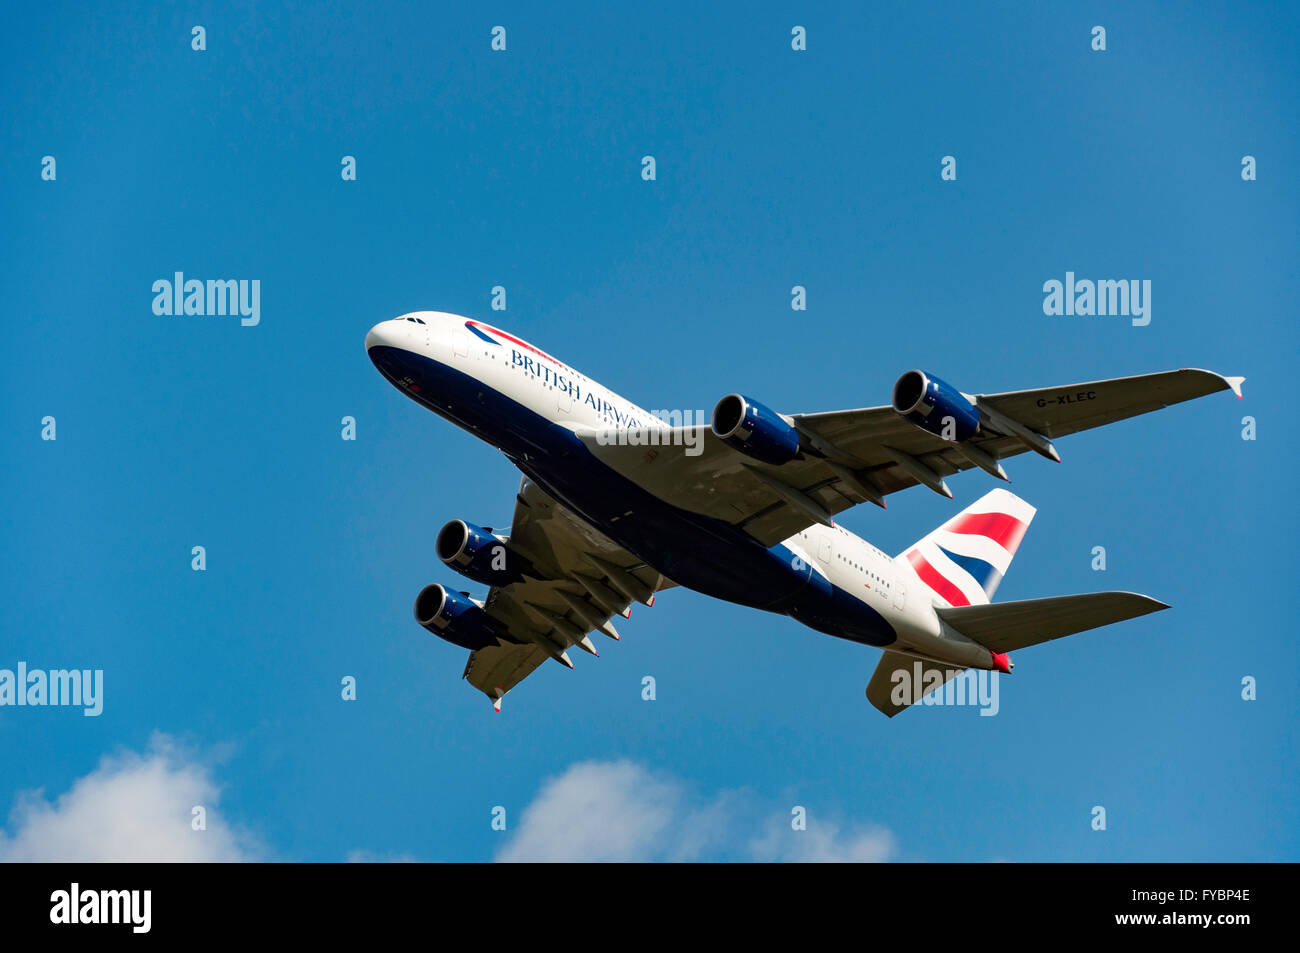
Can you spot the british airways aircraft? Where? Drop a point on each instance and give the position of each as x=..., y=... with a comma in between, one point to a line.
x=617, y=504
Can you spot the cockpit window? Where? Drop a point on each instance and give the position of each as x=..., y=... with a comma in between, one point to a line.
x=415, y=320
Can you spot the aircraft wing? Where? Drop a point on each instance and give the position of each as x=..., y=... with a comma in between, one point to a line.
x=579, y=581
x=852, y=456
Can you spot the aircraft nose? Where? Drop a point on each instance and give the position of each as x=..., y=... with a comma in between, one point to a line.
x=381, y=335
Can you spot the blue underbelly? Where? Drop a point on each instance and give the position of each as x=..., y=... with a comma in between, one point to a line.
x=699, y=552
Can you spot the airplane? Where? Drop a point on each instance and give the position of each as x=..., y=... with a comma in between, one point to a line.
x=616, y=504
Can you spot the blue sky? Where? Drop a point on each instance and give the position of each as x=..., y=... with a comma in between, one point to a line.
x=522, y=169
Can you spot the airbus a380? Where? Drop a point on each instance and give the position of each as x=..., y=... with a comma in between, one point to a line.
x=617, y=504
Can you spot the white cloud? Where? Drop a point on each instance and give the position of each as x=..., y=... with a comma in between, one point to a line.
x=137, y=807
x=620, y=811
x=824, y=842
x=133, y=807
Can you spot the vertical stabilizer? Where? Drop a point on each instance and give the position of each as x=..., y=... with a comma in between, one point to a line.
x=963, y=560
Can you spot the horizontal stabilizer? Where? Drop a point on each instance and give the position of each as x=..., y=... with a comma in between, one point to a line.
x=1007, y=626
x=892, y=693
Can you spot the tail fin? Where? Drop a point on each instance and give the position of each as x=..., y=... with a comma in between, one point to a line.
x=964, y=559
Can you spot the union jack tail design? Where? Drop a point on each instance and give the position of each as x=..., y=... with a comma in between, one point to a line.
x=963, y=560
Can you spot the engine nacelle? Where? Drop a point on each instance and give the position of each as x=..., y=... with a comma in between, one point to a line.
x=935, y=406
x=475, y=553
x=755, y=430
x=453, y=617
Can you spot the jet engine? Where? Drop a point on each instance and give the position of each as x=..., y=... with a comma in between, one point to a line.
x=454, y=617
x=935, y=406
x=755, y=430
x=477, y=554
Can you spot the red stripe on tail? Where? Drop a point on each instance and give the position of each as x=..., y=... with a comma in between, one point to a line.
x=936, y=580
x=1005, y=530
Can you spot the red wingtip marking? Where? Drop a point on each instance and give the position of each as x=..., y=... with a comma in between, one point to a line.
x=1002, y=662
